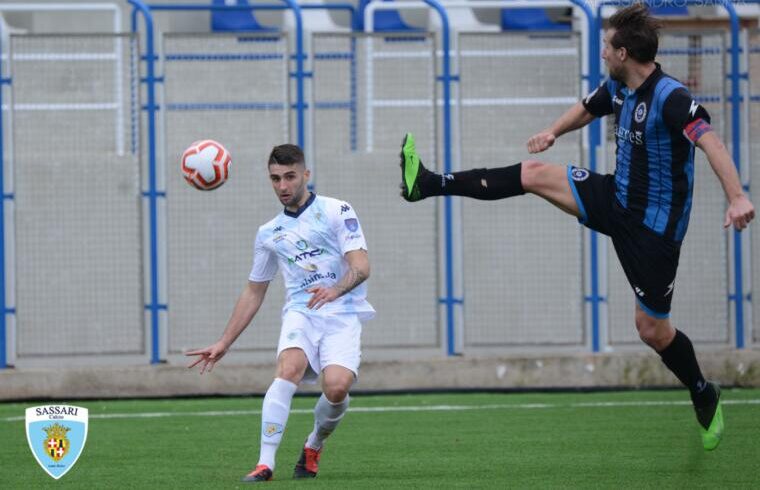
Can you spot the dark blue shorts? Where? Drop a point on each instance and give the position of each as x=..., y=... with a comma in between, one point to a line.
x=649, y=260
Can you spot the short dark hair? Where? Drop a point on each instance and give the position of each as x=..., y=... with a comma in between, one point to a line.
x=636, y=31
x=286, y=154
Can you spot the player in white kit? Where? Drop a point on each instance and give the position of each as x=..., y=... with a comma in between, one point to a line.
x=319, y=245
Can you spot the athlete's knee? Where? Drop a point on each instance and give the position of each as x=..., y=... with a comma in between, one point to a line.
x=653, y=332
x=290, y=373
x=292, y=364
x=531, y=174
x=336, y=392
x=336, y=382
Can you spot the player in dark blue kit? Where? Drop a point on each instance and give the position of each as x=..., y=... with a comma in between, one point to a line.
x=644, y=206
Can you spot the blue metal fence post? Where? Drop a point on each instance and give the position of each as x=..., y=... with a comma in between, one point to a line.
x=152, y=195
x=300, y=106
x=736, y=150
x=594, y=130
x=446, y=79
x=3, y=305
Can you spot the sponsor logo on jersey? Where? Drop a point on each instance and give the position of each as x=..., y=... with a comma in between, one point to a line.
x=634, y=137
x=316, y=277
x=315, y=252
x=302, y=245
x=344, y=209
x=617, y=100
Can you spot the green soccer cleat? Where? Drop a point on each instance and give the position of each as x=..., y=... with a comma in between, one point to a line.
x=712, y=417
x=412, y=171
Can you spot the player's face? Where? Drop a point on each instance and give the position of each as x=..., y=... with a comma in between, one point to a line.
x=289, y=183
x=612, y=56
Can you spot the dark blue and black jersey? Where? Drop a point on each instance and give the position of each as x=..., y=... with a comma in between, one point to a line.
x=655, y=126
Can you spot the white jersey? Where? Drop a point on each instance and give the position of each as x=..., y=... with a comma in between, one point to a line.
x=309, y=246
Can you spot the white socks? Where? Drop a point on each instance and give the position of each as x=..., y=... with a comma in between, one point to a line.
x=327, y=415
x=274, y=416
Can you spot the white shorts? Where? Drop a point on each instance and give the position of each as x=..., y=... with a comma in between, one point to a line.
x=326, y=339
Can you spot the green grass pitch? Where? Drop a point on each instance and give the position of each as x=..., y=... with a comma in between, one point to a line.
x=633, y=439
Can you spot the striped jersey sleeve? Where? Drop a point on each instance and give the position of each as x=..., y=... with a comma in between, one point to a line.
x=682, y=114
x=599, y=102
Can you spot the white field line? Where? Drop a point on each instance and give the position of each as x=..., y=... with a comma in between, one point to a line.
x=412, y=408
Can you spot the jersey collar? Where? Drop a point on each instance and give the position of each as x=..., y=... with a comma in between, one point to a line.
x=296, y=214
x=653, y=77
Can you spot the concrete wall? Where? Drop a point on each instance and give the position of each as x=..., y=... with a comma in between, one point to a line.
x=634, y=370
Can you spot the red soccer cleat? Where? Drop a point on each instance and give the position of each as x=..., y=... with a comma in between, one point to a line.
x=259, y=474
x=308, y=464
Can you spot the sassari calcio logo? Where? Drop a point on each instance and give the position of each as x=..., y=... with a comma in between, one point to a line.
x=56, y=436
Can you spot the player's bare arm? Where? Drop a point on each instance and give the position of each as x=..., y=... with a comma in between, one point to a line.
x=247, y=306
x=740, y=210
x=574, y=118
x=358, y=272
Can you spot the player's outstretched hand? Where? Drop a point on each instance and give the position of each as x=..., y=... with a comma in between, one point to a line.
x=208, y=356
x=321, y=295
x=739, y=213
x=540, y=142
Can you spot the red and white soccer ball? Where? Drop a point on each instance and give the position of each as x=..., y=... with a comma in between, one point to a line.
x=206, y=164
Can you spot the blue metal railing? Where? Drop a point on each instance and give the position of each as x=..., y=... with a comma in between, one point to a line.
x=150, y=81
x=299, y=74
x=152, y=194
x=3, y=305
x=446, y=80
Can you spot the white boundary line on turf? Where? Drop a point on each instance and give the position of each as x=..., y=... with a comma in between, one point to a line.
x=412, y=408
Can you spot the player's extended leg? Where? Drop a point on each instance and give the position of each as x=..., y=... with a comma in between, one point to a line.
x=291, y=366
x=328, y=412
x=677, y=352
x=543, y=179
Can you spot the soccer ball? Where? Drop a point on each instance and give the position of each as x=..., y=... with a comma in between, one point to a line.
x=206, y=164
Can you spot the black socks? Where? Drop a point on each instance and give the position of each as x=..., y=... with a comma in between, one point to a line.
x=680, y=358
x=480, y=183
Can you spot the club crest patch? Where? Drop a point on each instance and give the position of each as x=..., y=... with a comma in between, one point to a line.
x=269, y=429
x=56, y=435
x=641, y=112
x=352, y=224
x=579, y=174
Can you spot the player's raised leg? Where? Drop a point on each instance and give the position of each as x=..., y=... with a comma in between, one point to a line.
x=291, y=366
x=531, y=176
x=328, y=412
x=677, y=353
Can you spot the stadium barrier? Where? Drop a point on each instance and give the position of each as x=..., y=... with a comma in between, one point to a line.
x=355, y=95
